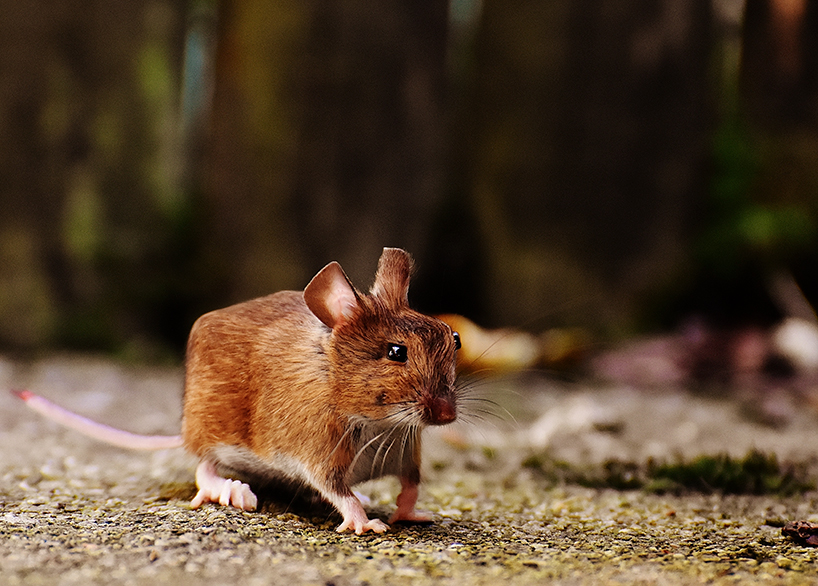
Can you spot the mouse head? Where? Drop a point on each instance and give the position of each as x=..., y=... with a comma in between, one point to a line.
x=387, y=362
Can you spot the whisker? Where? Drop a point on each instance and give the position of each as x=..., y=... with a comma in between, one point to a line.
x=388, y=450
x=483, y=400
x=486, y=406
x=473, y=401
x=395, y=428
x=471, y=385
x=567, y=305
x=476, y=415
x=340, y=441
x=479, y=423
x=476, y=374
x=385, y=453
x=397, y=415
x=493, y=412
x=483, y=390
x=473, y=379
x=481, y=430
x=362, y=449
x=407, y=437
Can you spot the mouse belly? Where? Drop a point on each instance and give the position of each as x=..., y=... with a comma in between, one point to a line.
x=244, y=462
x=377, y=453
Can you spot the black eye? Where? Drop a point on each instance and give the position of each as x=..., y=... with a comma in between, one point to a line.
x=457, y=343
x=396, y=352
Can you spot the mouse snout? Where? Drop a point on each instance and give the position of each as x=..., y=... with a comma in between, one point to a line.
x=438, y=410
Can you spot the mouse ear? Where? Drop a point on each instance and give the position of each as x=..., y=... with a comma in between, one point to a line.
x=392, y=278
x=331, y=297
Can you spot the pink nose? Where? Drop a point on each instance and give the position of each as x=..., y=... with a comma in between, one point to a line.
x=440, y=411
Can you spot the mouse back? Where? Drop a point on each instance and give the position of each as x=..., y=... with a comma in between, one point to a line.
x=266, y=373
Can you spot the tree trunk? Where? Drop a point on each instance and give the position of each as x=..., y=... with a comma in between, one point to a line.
x=589, y=150
x=327, y=140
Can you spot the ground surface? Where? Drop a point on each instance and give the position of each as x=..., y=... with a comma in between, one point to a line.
x=75, y=512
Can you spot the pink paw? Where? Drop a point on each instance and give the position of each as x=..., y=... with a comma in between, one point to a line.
x=230, y=493
x=215, y=489
x=360, y=527
x=406, y=505
x=411, y=516
x=355, y=517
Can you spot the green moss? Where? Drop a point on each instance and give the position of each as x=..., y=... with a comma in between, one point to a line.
x=489, y=453
x=534, y=462
x=755, y=473
x=615, y=474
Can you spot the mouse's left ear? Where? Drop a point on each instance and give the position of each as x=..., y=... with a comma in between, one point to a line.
x=392, y=278
x=331, y=297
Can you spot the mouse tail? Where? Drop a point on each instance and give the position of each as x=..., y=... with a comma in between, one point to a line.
x=99, y=431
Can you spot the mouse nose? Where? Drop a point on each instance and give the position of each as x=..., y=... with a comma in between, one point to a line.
x=439, y=410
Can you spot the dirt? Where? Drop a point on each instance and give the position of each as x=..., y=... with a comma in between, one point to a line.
x=73, y=511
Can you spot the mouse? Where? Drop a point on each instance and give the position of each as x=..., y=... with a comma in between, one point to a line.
x=327, y=387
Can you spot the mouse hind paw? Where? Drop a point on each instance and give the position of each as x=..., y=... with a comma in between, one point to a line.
x=412, y=516
x=406, y=505
x=215, y=489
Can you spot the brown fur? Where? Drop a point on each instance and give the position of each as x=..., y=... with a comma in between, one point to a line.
x=304, y=377
x=327, y=387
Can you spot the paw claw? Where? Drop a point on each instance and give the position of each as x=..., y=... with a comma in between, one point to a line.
x=198, y=499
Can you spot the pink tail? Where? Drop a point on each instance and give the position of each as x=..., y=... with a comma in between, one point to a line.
x=110, y=435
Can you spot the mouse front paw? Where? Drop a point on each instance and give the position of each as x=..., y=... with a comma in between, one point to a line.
x=355, y=518
x=360, y=527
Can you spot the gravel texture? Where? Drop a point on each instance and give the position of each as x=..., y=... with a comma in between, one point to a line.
x=73, y=511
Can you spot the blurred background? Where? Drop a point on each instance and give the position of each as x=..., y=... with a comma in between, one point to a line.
x=613, y=166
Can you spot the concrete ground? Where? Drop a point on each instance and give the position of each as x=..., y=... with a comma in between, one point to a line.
x=73, y=511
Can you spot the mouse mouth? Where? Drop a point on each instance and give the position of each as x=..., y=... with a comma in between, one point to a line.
x=438, y=410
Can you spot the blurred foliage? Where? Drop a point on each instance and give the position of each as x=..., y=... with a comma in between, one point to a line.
x=548, y=164
x=744, y=226
x=760, y=217
x=744, y=230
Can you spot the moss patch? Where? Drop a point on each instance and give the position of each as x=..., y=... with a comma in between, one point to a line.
x=756, y=473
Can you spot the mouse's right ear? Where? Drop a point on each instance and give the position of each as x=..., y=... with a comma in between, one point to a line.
x=331, y=297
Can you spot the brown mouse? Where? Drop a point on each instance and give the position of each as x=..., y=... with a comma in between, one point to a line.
x=328, y=387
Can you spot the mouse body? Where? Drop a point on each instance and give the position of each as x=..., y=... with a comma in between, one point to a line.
x=328, y=387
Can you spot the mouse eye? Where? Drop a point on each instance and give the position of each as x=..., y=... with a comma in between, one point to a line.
x=457, y=344
x=396, y=352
